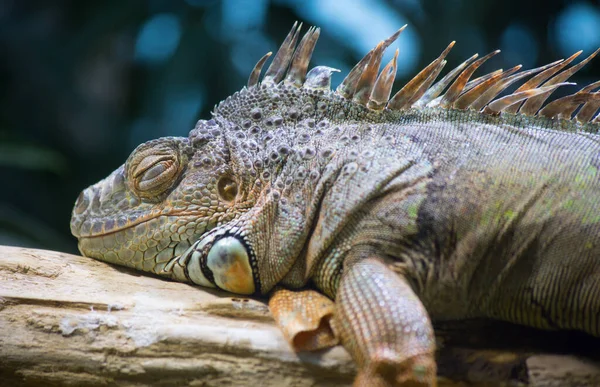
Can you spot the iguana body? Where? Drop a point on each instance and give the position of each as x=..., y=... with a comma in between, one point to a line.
x=399, y=212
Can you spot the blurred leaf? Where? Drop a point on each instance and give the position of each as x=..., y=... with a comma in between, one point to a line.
x=33, y=158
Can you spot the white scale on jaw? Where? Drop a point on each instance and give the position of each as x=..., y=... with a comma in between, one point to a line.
x=193, y=267
x=230, y=264
x=227, y=259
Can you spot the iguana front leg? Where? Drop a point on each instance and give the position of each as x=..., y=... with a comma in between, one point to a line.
x=384, y=326
x=376, y=316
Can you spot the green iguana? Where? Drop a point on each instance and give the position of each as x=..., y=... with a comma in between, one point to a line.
x=443, y=202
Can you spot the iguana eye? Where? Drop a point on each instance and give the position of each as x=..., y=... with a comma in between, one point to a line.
x=154, y=170
x=229, y=263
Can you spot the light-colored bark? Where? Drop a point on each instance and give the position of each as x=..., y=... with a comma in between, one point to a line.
x=70, y=320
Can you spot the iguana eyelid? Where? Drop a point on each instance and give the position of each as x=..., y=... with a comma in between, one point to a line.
x=157, y=175
x=156, y=170
x=149, y=162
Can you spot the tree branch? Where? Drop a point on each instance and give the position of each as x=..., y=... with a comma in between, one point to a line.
x=71, y=320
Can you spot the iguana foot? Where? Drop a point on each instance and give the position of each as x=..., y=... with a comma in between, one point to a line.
x=304, y=317
x=418, y=371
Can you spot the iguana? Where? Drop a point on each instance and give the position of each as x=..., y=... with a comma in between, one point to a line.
x=366, y=217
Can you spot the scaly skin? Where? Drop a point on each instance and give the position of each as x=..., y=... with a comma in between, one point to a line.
x=400, y=217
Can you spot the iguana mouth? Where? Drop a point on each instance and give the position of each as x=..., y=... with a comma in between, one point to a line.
x=104, y=227
x=146, y=242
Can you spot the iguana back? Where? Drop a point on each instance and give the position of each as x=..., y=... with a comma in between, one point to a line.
x=510, y=224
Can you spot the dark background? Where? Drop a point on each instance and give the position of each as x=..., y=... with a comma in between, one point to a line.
x=84, y=82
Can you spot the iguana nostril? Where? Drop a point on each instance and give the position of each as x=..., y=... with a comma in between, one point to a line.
x=118, y=181
x=82, y=203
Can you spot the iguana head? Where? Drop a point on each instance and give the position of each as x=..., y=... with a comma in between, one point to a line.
x=236, y=203
x=227, y=206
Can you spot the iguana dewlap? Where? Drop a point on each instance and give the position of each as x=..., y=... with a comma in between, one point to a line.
x=445, y=201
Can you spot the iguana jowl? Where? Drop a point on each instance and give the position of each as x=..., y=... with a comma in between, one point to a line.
x=442, y=202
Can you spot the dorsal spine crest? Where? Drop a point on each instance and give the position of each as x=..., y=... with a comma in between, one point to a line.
x=367, y=87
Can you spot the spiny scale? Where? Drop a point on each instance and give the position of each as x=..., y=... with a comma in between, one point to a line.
x=383, y=85
x=412, y=89
x=255, y=74
x=434, y=91
x=509, y=100
x=366, y=86
x=348, y=86
x=541, y=78
x=469, y=98
x=478, y=81
x=296, y=75
x=459, y=84
x=587, y=111
x=505, y=82
x=282, y=59
x=533, y=105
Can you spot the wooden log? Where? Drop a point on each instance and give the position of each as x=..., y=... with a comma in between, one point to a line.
x=71, y=320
